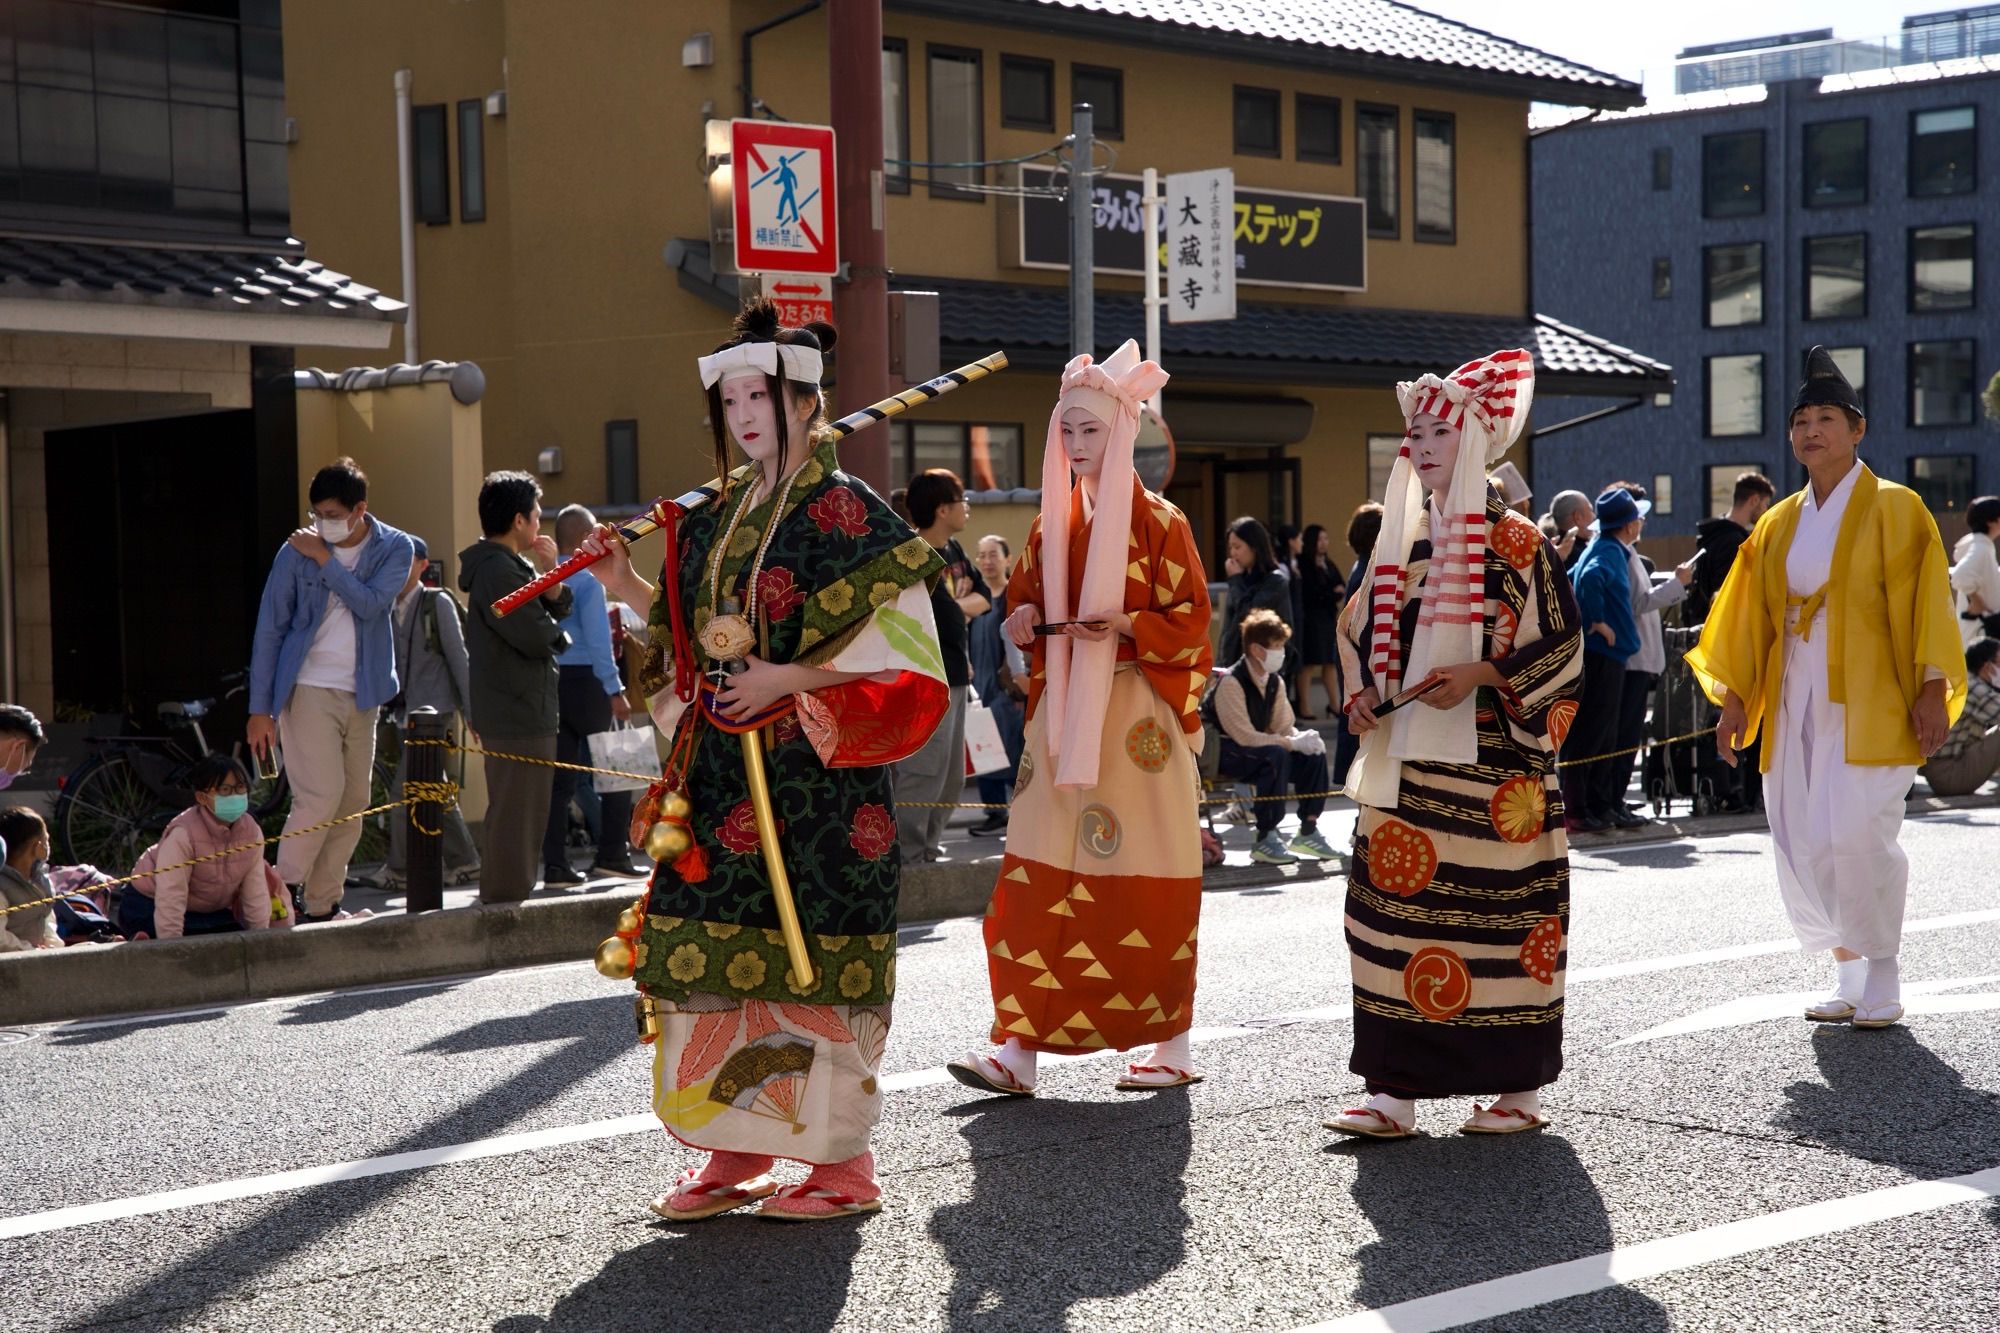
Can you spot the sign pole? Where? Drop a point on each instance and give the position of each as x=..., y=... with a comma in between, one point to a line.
x=1150, y=202
x=1082, y=229
x=854, y=66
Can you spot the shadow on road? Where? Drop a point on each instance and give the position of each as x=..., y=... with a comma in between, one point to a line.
x=1454, y=1210
x=1070, y=1202
x=118, y=1031
x=339, y=1008
x=1888, y=1099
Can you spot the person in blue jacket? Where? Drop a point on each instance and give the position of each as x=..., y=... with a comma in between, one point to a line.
x=1603, y=582
x=322, y=665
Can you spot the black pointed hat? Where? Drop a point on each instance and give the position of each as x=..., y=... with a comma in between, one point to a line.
x=1825, y=386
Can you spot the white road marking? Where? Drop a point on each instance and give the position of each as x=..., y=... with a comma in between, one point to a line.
x=1922, y=998
x=1669, y=1254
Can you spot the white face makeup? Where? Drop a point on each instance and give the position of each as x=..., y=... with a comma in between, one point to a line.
x=752, y=417
x=1434, y=450
x=1084, y=439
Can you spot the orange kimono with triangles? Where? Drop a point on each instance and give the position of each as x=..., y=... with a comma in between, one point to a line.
x=1090, y=936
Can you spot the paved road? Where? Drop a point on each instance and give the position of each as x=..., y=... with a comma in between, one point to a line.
x=1715, y=1163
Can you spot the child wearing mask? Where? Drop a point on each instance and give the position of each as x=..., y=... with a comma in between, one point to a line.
x=1263, y=745
x=232, y=892
x=24, y=878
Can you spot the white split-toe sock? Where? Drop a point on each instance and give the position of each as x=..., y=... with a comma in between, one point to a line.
x=1528, y=1103
x=1881, y=1000
x=1850, y=974
x=1018, y=1061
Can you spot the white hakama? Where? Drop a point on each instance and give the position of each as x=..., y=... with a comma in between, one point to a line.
x=1834, y=825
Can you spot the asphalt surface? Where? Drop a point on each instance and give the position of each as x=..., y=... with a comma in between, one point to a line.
x=1225, y=1205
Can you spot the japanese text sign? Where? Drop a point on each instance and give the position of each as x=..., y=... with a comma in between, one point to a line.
x=801, y=298
x=783, y=180
x=1201, y=246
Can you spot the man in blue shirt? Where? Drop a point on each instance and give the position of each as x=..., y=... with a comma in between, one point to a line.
x=1603, y=582
x=591, y=697
x=322, y=665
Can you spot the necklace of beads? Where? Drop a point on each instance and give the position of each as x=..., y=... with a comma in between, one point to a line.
x=763, y=545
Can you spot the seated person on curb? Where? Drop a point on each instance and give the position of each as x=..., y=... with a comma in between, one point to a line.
x=1970, y=754
x=229, y=893
x=24, y=878
x=1262, y=746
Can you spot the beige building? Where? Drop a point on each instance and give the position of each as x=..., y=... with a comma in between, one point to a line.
x=561, y=236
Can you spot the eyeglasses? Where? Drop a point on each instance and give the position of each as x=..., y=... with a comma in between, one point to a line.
x=231, y=789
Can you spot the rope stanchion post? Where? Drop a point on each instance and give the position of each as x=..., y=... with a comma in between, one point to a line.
x=423, y=742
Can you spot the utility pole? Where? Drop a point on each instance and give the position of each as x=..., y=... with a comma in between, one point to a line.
x=854, y=70
x=1082, y=233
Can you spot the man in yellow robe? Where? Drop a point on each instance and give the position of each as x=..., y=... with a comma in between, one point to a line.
x=1835, y=636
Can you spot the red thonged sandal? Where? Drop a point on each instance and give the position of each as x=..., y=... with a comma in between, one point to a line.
x=988, y=1075
x=709, y=1197
x=1151, y=1078
x=1501, y=1120
x=1365, y=1122
x=843, y=1205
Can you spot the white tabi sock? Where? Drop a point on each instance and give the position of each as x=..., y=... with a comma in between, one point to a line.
x=1399, y=1109
x=1528, y=1102
x=1173, y=1051
x=1019, y=1061
x=1884, y=985
x=1852, y=972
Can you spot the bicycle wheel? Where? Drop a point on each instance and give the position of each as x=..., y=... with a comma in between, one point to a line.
x=106, y=815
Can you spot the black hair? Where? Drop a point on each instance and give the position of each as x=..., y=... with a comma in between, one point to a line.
x=1749, y=484
x=212, y=770
x=1255, y=536
x=930, y=491
x=20, y=826
x=573, y=524
x=503, y=497
x=1363, y=529
x=1980, y=655
x=1005, y=549
x=18, y=721
x=899, y=500
x=1285, y=532
x=1316, y=579
x=1979, y=515
x=339, y=480
x=758, y=322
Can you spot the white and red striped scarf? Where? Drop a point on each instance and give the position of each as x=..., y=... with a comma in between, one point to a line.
x=1488, y=401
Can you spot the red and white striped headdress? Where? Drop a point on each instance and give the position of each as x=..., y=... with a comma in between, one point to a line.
x=1488, y=400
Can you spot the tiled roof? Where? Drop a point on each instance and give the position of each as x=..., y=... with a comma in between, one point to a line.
x=1316, y=344
x=1325, y=31
x=270, y=280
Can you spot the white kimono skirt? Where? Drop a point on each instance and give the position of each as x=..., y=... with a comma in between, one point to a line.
x=1834, y=825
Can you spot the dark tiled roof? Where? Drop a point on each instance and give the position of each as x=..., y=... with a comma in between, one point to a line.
x=269, y=281
x=1314, y=344
x=1322, y=32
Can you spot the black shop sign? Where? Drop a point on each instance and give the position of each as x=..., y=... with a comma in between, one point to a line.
x=1282, y=239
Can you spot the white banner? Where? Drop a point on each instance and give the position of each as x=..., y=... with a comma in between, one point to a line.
x=1201, y=246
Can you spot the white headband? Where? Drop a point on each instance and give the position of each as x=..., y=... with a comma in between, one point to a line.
x=802, y=364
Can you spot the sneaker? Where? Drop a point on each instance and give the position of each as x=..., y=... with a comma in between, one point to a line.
x=560, y=877
x=1270, y=850
x=995, y=822
x=1313, y=846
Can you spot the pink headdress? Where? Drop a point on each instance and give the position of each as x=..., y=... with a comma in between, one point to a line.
x=1079, y=674
x=1488, y=400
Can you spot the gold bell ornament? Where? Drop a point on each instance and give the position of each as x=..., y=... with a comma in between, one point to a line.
x=675, y=806
x=666, y=840
x=614, y=958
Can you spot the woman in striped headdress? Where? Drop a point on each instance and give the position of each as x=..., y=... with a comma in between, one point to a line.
x=1458, y=890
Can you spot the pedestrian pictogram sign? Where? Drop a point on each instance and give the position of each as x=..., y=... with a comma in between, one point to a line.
x=801, y=298
x=783, y=180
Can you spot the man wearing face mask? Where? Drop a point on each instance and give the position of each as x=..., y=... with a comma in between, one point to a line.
x=1970, y=754
x=323, y=664
x=1262, y=744
x=21, y=735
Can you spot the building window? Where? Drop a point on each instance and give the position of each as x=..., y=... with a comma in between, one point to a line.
x=1663, y=278
x=1375, y=167
x=1316, y=129
x=957, y=122
x=1944, y=480
x=433, y=165
x=1853, y=363
x=1257, y=130
x=1436, y=138
x=1722, y=484
x=1104, y=89
x=1735, y=394
x=1663, y=493
x=1663, y=168
x=1836, y=163
x=985, y=456
x=1941, y=383
x=1941, y=268
x=621, y=462
x=1836, y=277
x=1943, y=151
x=1382, y=452
x=1734, y=277
x=1027, y=93
x=1732, y=174
x=896, y=114
x=472, y=161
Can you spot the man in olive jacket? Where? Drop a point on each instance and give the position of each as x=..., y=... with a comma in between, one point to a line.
x=513, y=678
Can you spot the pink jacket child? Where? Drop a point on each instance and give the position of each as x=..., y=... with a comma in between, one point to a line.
x=192, y=899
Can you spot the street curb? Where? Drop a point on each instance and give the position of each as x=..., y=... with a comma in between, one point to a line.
x=95, y=981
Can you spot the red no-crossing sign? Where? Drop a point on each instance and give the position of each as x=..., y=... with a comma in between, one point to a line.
x=782, y=176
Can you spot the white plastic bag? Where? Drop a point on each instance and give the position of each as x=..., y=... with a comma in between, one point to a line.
x=984, y=752
x=627, y=749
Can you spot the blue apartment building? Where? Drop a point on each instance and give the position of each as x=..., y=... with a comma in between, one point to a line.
x=1728, y=231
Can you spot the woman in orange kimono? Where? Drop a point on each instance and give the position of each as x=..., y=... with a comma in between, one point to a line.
x=1090, y=937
